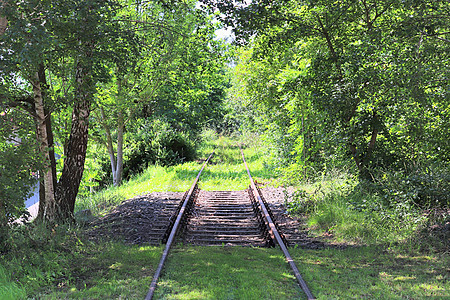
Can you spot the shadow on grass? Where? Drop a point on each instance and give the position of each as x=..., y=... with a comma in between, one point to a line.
x=111, y=271
x=261, y=273
x=370, y=273
x=226, y=273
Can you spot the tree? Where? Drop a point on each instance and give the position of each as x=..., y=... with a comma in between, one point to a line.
x=43, y=40
x=175, y=74
x=367, y=64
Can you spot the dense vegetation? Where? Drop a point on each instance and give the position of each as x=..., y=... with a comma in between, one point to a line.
x=61, y=262
x=349, y=102
x=135, y=80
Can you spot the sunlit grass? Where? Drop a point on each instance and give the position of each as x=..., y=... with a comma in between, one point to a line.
x=8, y=288
x=59, y=263
x=227, y=273
x=262, y=273
x=226, y=171
x=373, y=273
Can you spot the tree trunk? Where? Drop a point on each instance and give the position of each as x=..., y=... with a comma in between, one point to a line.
x=72, y=173
x=3, y=25
x=120, y=132
x=109, y=145
x=49, y=207
x=51, y=150
x=3, y=218
x=116, y=160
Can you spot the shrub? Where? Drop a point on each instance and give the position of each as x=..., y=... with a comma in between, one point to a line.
x=156, y=142
x=16, y=183
x=425, y=186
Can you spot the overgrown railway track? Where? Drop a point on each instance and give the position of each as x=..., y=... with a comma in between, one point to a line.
x=240, y=218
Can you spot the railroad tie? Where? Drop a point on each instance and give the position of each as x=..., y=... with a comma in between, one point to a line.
x=224, y=218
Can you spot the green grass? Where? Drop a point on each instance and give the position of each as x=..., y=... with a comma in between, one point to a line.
x=261, y=273
x=338, y=205
x=226, y=273
x=226, y=171
x=60, y=263
x=111, y=271
x=374, y=273
x=8, y=288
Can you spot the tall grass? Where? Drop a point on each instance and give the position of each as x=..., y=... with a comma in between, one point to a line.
x=338, y=205
x=8, y=288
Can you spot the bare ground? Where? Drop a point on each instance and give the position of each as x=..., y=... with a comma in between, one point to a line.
x=144, y=219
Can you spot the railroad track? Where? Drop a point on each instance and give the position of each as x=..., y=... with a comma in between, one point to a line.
x=234, y=218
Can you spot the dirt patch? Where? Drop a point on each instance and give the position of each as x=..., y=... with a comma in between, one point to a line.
x=143, y=219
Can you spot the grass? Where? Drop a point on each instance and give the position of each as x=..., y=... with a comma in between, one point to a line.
x=60, y=263
x=112, y=270
x=338, y=205
x=108, y=272
x=226, y=273
x=225, y=172
x=261, y=273
x=373, y=273
x=8, y=288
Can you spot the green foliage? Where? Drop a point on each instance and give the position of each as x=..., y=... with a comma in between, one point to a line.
x=425, y=187
x=95, y=169
x=18, y=162
x=156, y=142
x=385, y=212
x=16, y=178
x=336, y=82
x=148, y=142
x=9, y=289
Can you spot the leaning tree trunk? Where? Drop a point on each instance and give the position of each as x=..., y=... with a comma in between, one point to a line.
x=49, y=207
x=3, y=24
x=116, y=161
x=109, y=144
x=69, y=182
x=51, y=150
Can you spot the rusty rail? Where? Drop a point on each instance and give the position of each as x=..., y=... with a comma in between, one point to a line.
x=173, y=233
x=274, y=232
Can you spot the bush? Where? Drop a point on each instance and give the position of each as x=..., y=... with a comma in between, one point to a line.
x=425, y=187
x=16, y=182
x=156, y=142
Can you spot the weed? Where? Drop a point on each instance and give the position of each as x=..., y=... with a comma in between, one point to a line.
x=8, y=288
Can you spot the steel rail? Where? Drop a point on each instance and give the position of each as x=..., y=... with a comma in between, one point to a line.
x=173, y=233
x=274, y=232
